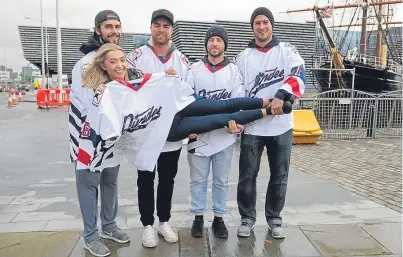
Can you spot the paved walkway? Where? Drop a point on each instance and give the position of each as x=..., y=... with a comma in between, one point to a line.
x=370, y=168
x=39, y=210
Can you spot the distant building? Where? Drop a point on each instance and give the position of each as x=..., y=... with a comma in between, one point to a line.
x=26, y=71
x=71, y=41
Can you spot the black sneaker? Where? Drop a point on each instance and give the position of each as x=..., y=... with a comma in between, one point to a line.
x=219, y=228
x=197, y=227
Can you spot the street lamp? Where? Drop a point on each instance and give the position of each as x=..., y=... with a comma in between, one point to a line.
x=59, y=49
x=46, y=64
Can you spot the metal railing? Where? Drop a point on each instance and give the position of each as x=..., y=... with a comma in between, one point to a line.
x=347, y=113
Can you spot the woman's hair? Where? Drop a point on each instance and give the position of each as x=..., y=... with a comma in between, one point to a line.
x=94, y=75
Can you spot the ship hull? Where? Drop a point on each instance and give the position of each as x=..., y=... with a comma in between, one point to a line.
x=367, y=78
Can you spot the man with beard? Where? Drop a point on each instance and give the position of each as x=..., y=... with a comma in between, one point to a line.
x=107, y=30
x=213, y=77
x=159, y=55
x=271, y=69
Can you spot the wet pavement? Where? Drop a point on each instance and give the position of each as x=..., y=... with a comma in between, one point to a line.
x=301, y=241
x=333, y=208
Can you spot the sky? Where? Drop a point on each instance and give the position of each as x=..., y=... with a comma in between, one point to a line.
x=135, y=16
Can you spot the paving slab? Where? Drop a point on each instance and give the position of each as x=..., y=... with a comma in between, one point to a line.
x=374, y=213
x=31, y=216
x=261, y=243
x=6, y=199
x=343, y=240
x=19, y=208
x=388, y=234
x=133, y=248
x=7, y=217
x=38, y=244
x=28, y=226
x=193, y=247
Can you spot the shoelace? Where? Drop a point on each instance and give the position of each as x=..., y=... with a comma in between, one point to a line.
x=220, y=224
x=168, y=229
x=246, y=224
x=97, y=241
x=116, y=230
x=149, y=233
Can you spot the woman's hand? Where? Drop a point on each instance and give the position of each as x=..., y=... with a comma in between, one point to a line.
x=171, y=71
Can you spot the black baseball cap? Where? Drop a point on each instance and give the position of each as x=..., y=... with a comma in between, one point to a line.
x=103, y=16
x=163, y=13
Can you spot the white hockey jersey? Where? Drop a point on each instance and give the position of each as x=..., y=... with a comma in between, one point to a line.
x=147, y=60
x=80, y=101
x=220, y=82
x=265, y=71
x=132, y=119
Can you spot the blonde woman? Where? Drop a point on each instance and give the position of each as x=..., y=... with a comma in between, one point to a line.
x=195, y=115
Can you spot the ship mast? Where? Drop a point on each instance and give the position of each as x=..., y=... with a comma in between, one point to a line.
x=363, y=41
x=337, y=59
x=379, y=35
x=381, y=48
x=347, y=6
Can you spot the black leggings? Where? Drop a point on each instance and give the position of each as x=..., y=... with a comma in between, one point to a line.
x=204, y=115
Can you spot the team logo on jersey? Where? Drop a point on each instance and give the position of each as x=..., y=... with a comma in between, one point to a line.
x=133, y=57
x=97, y=98
x=185, y=60
x=140, y=121
x=266, y=79
x=109, y=142
x=218, y=94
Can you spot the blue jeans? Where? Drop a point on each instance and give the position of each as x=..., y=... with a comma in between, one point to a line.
x=87, y=190
x=279, y=153
x=205, y=115
x=199, y=172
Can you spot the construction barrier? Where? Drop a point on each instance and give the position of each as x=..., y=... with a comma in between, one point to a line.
x=306, y=128
x=52, y=98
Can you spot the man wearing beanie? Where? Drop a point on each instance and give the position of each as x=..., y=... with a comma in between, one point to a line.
x=272, y=69
x=159, y=55
x=107, y=30
x=214, y=77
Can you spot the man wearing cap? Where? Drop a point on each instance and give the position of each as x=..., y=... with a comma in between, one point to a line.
x=213, y=77
x=159, y=55
x=107, y=30
x=272, y=69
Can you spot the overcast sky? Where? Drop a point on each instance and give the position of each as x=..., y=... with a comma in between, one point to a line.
x=135, y=16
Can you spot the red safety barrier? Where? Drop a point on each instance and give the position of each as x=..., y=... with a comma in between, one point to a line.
x=52, y=97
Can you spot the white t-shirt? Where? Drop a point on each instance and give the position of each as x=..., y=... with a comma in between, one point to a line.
x=265, y=71
x=146, y=59
x=220, y=82
x=132, y=120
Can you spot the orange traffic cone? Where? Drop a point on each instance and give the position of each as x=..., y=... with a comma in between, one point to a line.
x=10, y=101
x=14, y=100
x=20, y=97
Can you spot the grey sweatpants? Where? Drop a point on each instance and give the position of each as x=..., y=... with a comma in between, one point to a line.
x=87, y=191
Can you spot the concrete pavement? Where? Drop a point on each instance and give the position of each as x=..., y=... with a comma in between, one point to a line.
x=39, y=210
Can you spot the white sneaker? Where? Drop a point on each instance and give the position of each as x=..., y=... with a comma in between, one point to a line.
x=149, y=239
x=166, y=231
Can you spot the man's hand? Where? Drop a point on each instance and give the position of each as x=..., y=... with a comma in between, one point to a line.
x=276, y=106
x=171, y=71
x=234, y=128
x=192, y=136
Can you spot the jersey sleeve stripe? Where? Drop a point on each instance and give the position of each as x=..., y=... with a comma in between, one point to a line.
x=295, y=86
